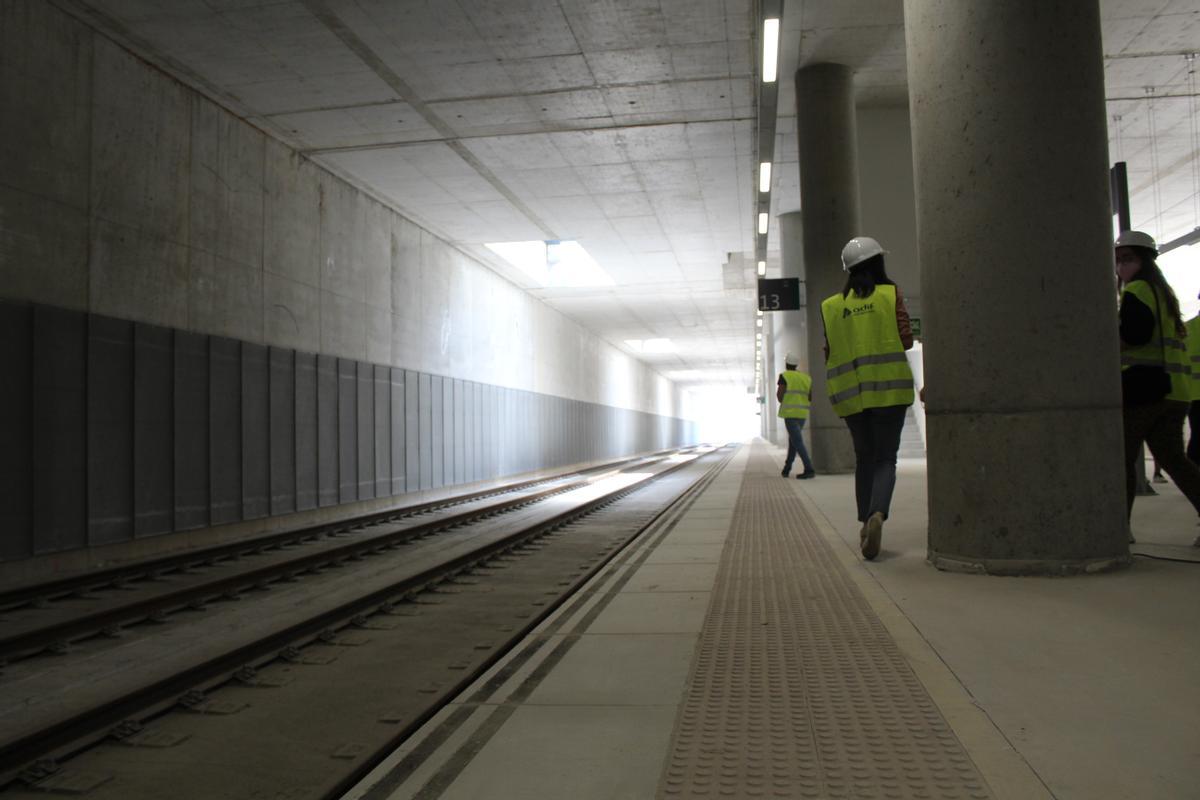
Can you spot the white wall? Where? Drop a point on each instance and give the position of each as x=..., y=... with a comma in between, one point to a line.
x=124, y=193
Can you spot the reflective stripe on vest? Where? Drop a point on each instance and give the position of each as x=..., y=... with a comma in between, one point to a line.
x=795, y=396
x=867, y=367
x=1168, y=352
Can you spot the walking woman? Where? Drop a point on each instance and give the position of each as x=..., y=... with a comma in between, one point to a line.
x=1155, y=376
x=870, y=385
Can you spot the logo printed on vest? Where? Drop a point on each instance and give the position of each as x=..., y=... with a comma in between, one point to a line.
x=866, y=308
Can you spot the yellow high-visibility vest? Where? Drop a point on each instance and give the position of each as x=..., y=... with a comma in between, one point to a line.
x=867, y=367
x=1164, y=348
x=1193, y=350
x=795, y=396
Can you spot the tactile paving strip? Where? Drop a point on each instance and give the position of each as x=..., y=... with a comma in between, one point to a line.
x=797, y=689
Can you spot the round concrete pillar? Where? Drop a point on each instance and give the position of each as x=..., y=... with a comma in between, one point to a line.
x=1020, y=342
x=829, y=219
x=769, y=408
x=790, y=327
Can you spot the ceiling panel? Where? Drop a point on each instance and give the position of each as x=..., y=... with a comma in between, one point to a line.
x=628, y=124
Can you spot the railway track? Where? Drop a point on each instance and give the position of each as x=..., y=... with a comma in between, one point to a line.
x=312, y=599
x=54, y=616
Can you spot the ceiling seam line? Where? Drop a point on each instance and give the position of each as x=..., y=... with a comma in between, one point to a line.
x=351, y=148
x=376, y=64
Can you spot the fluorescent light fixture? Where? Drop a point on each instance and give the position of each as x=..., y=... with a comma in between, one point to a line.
x=762, y=222
x=759, y=312
x=759, y=321
x=770, y=63
x=764, y=176
x=558, y=264
x=762, y=265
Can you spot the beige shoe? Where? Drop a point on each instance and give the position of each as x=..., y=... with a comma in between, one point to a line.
x=872, y=535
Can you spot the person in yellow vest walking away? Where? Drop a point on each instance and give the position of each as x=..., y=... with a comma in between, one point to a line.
x=1155, y=374
x=795, y=396
x=870, y=385
x=1193, y=349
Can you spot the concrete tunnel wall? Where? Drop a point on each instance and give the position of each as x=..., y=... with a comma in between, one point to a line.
x=180, y=288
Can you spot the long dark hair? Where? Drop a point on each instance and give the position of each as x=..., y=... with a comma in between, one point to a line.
x=866, y=275
x=1151, y=273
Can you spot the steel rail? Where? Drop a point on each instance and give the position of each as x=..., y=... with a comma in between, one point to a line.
x=97, y=579
x=19, y=644
x=89, y=725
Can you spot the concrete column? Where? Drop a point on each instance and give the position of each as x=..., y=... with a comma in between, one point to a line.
x=1021, y=354
x=772, y=363
x=829, y=214
x=791, y=330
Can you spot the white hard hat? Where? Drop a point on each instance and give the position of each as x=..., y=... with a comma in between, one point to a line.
x=858, y=250
x=1136, y=239
x=790, y=359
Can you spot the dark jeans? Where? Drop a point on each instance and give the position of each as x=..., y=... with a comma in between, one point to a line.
x=796, y=444
x=876, y=435
x=1160, y=426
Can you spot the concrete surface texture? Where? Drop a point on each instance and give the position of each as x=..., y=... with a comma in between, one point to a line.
x=1020, y=348
x=124, y=193
x=790, y=327
x=1077, y=688
x=1090, y=679
x=829, y=199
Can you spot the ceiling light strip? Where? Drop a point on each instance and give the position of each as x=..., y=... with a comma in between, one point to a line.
x=770, y=61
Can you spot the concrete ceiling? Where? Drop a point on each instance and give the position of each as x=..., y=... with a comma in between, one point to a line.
x=1145, y=42
x=625, y=124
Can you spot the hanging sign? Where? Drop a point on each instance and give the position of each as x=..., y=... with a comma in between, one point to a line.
x=778, y=294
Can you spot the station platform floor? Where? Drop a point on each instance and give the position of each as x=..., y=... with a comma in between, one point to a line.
x=743, y=648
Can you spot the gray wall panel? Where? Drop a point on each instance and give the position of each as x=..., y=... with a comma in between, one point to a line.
x=459, y=390
x=306, y=431
x=412, y=431
x=508, y=449
x=225, y=430
x=488, y=423
x=366, y=430
x=347, y=430
x=185, y=430
x=491, y=430
x=438, y=432
x=507, y=456
x=557, y=431
x=383, y=432
x=282, y=395
x=16, y=442
x=398, y=429
x=191, y=430
x=256, y=431
x=327, y=431
x=110, y=430
x=476, y=432
x=153, y=430
x=59, y=427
